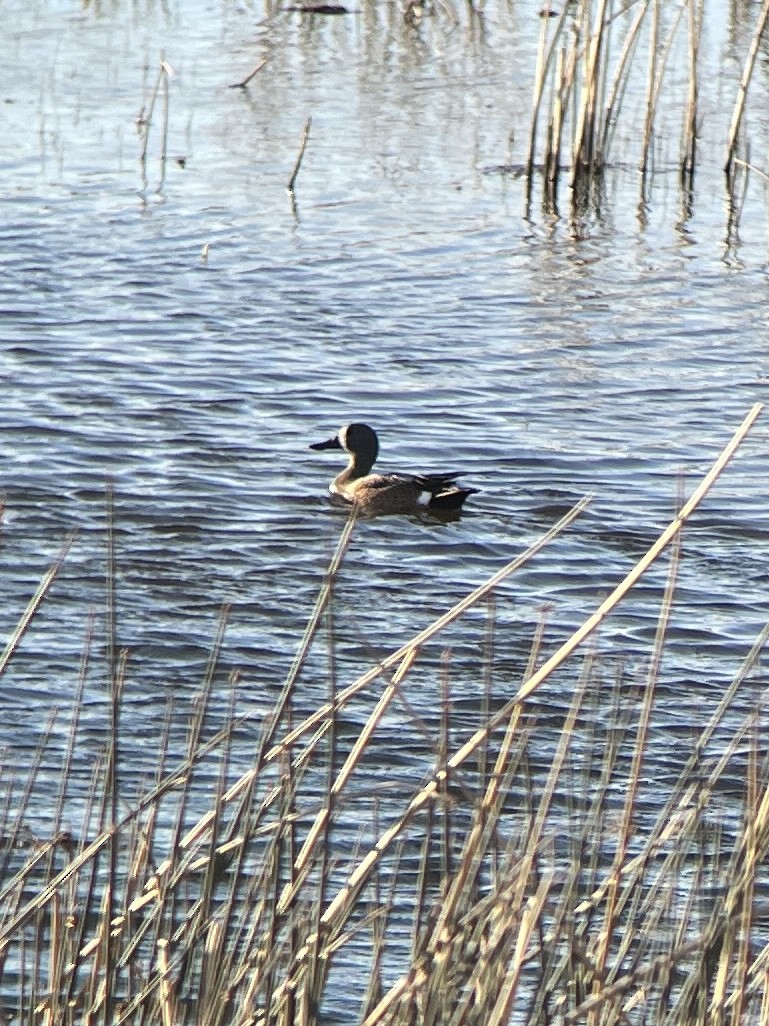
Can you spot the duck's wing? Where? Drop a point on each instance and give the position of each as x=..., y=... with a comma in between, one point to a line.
x=377, y=481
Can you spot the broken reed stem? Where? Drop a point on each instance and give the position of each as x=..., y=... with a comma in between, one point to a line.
x=539, y=88
x=302, y=148
x=742, y=94
x=181, y=771
x=359, y=875
x=165, y=71
x=555, y=128
x=303, y=859
x=247, y=79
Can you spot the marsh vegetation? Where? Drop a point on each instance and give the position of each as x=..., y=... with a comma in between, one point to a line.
x=590, y=891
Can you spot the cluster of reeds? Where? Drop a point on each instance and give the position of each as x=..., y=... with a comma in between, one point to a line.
x=585, y=64
x=539, y=880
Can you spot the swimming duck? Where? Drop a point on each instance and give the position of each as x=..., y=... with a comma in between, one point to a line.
x=386, y=493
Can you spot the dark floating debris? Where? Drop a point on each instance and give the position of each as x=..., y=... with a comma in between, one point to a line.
x=320, y=9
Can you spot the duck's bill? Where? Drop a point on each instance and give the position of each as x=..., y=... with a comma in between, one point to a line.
x=330, y=443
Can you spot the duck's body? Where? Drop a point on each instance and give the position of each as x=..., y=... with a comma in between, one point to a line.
x=387, y=493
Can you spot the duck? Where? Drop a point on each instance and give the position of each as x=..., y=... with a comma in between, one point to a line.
x=387, y=493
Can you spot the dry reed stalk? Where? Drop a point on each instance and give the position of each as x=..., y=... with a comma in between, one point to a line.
x=657, y=68
x=442, y=754
x=317, y=967
x=752, y=845
x=742, y=94
x=165, y=71
x=450, y=944
x=619, y=82
x=34, y=604
x=584, y=151
x=14, y=835
x=670, y=818
x=564, y=82
x=325, y=711
x=508, y=983
x=545, y=51
x=725, y=914
x=321, y=603
x=688, y=160
x=651, y=79
x=300, y=155
x=434, y=628
x=77, y=705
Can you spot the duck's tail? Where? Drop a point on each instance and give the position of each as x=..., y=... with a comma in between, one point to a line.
x=444, y=491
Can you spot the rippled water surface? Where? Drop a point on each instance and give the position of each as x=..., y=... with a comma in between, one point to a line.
x=612, y=353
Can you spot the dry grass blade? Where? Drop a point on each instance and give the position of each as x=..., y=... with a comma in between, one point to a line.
x=34, y=604
x=300, y=155
x=619, y=82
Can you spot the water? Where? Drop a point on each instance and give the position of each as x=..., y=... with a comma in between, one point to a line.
x=611, y=353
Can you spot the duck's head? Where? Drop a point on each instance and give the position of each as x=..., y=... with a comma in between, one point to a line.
x=357, y=439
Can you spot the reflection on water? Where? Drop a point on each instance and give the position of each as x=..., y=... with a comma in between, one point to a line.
x=612, y=354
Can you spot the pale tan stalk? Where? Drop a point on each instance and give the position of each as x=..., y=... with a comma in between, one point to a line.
x=545, y=53
x=764, y=998
x=673, y=819
x=539, y=88
x=752, y=857
x=695, y=8
x=530, y=916
x=619, y=82
x=167, y=1001
x=742, y=95
x=651, y=78
x=585, y=132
